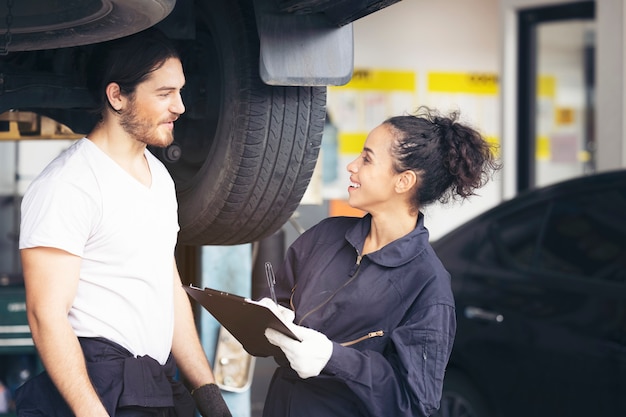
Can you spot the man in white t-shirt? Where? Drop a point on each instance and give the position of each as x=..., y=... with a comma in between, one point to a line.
x=108, y=314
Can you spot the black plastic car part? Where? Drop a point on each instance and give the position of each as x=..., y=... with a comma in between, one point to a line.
x=29, y=25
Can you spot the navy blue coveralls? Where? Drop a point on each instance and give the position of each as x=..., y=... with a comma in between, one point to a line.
x=390, y=315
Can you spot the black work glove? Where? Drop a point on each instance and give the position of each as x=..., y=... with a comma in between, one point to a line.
x=210, y=402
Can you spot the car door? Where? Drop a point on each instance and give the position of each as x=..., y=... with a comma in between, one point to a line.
x=489, y=260
x=574, y=364
x=540, y=290
x=506, y=305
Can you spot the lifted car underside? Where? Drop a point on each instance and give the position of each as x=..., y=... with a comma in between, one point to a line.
x=256, y=71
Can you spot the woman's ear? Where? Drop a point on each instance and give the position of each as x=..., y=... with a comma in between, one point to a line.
x=406, y=181
x=114, y=95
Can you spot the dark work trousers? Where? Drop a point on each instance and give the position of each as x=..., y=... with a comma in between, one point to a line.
x=128, y=386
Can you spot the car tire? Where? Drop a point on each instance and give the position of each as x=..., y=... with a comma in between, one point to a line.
x=244, y=152
x=50, y=25
x=461, y=398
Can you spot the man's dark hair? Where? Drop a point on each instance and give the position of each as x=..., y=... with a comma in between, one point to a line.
x=126, y=61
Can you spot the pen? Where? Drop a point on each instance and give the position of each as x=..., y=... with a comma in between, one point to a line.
x=271, y=280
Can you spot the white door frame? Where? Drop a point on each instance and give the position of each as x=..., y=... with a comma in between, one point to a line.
x=610, y=85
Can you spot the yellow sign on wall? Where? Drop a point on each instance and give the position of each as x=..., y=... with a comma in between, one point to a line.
x=380, y=80
x=564, y=116
x=463, y=82
x=351, y=143
x=546, y=86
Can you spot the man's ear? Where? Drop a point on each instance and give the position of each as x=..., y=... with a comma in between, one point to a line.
x=406, y=181
x=114, y=95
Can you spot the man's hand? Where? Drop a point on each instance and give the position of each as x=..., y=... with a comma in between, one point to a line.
x=210, y=402
x=308, y=357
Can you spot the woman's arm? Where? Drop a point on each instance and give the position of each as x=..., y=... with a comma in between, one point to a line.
x=412, y=368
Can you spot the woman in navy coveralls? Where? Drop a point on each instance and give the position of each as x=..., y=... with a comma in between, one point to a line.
x=373, y=304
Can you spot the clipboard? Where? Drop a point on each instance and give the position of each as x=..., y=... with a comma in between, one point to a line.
x=245, y=319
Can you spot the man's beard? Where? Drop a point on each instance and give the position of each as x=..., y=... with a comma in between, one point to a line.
x=142, y=130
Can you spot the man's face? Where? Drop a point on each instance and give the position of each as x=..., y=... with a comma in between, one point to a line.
x=155, y=105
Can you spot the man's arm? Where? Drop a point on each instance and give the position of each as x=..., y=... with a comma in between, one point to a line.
x=186, y=347
x=51, y=280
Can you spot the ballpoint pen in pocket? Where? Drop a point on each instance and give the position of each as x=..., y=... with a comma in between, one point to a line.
x=271, y=280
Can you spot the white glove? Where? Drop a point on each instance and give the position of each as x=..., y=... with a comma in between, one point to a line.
x=308, y=357
x=286, y=315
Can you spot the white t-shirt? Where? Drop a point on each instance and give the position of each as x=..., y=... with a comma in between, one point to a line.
x=86, y=204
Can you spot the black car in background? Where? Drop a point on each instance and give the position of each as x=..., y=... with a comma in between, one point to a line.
x=540, y=289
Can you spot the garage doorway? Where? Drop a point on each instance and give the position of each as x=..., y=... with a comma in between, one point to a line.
x=556, y=94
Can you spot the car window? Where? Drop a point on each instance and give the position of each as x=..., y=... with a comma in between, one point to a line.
x=514, y=238
x=586, y=236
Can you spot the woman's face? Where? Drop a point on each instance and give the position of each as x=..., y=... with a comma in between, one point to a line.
x=372, y=177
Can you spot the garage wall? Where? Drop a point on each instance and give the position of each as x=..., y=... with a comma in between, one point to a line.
x=611, y=84
x=430, y=35
x=481, y=36
x=424, y=36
